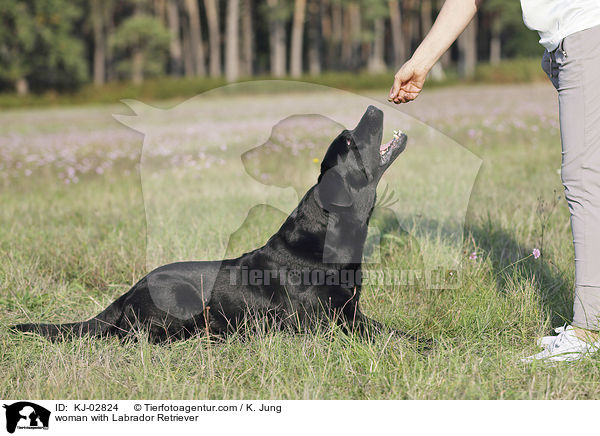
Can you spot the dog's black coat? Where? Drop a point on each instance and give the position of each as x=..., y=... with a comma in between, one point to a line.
x=326, y=232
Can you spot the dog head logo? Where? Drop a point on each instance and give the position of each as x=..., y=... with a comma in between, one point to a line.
x=26, y=415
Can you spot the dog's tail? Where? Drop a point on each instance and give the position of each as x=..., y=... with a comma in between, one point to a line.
x=103, y=324
x=62, y=331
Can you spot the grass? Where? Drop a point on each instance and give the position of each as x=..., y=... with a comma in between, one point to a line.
x=81, y=221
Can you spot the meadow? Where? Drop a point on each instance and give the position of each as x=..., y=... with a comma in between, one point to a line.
x=85, y=209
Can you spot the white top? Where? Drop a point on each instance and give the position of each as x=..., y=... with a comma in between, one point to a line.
x=556, y=19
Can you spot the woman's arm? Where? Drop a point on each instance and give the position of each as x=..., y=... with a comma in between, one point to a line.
x=453, y=18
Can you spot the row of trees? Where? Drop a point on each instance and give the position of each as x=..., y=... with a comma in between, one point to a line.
x=62, y=43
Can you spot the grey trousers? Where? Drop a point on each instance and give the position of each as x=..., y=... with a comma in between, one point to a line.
x=574, y=69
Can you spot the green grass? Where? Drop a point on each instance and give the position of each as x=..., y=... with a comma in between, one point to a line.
x=68, y=250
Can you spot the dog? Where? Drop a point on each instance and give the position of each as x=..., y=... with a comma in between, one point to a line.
x=308, y=273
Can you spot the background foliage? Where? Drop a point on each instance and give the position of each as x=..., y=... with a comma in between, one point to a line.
x=63, y=44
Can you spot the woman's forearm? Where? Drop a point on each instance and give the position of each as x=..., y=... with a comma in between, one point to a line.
x=453, y=18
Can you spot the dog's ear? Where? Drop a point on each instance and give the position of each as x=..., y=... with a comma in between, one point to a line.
x=332, y=191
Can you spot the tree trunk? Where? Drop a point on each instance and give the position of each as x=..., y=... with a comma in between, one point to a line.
x=188, y=59
x=276, y=40
x=22, y=86
x=175, y=43
x=495, y=42
x=426, y=20
x=247, y=39
x=99, y=42
x=398, y=45
x=196, y=36
x=137, y=66
x=297, y=38
x=437, y=71
x=355, y=30
x=326, y=35
x=346, y=50
x=109, y=21
x=376, y=61
x=410, y=25
x=232, y=58
x=467, y=50
x=337, y=36
x=214, y=37
x=160, y=9
x=315, y=12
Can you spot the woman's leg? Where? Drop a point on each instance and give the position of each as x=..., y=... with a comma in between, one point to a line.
x=575, y=71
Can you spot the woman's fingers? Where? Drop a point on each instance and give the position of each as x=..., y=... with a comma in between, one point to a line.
x=403, y=76
x=395, y=89
x=404, y=96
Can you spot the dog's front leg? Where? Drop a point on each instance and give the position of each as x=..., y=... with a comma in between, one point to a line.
x=365, y=326
x=369, y=328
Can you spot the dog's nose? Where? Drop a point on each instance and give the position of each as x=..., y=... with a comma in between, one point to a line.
x=373, y=111
x=369, y=127
x=373, y=116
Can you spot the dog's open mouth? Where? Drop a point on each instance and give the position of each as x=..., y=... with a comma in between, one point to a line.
x=392, y=148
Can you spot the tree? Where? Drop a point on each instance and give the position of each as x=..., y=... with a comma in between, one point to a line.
x=375, y=14
x=346, y=43
x=247, y=38
x=38, y=48
x=214, y=37
x=43, y=42
x=410, y=25
x=376, y=61
x=337, y=32
x=196, y=46
x=494, y=11
x=277, y=14
x=142, y=42
x=232, y=56
x=467, y=50
x=297, y=38
x=446, y=58
x=109, y=23
x=398, y=42
x=495, y=41
x=351, y=35
x=505, y=18
x=174, y=32
x=437, y=72
x=97, y=17
x=188, y=58
x=315, y=12
x=17, y=42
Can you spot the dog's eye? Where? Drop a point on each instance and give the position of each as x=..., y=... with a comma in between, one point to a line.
x=348, y=142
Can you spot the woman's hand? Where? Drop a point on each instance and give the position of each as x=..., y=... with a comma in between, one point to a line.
x=408, y=83
x=453, y=18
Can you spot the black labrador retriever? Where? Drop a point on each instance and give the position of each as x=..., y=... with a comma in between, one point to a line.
x=308, y=273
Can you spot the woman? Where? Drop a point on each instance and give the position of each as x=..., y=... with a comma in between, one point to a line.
x=570, y=32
